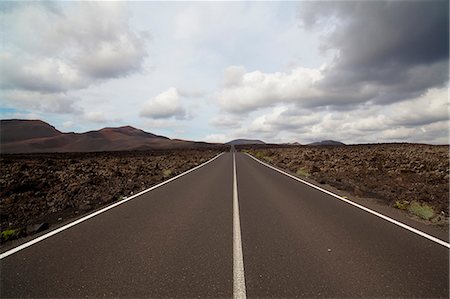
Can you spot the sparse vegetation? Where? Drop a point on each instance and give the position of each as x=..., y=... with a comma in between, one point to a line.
x=8, y=234
x=302, y=172
x=259, y=155
x=401, y=204
x=421, y=210
x=167, y=173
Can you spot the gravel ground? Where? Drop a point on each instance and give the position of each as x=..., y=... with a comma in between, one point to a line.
x=40, y=190
x=411, y=177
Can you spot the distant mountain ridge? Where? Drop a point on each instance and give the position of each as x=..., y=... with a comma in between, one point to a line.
x=35, y=136
x=244, y=141
x=327, y=142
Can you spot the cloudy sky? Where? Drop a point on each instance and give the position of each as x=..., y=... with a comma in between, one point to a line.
x=357, y=72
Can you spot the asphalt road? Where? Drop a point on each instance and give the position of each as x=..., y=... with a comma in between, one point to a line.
x=177, y=241
x=174, y=241
x=300, y=242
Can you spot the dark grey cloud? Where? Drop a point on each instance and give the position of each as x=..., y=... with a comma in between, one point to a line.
x=398, y=49
x=383, y=53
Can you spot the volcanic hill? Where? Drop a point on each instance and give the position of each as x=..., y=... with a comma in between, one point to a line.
x=36, y=136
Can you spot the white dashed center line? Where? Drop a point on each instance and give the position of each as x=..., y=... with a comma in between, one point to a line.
x=238, y=259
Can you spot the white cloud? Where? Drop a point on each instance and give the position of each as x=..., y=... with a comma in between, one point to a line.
x=165, y=105
x=421, y=119
x=191, y=93
x=96, y=117
x=111, y=59
x=161, y=123
x=47, y=102
x=219, y=138
x=99, y=117
x=285, y=118
x=21, y=115
x=431, y=107
x=436, y=133
x=234, y=76
x=247, y=91
x=47, y=74
x=226, y=121
x=67, y=124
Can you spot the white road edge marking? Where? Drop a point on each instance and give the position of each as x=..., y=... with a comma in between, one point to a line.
x=407, y=227
x=238, y=258
x=69, y=225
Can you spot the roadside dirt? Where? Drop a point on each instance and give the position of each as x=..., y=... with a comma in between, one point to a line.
x=410, y=177
x=41, y=190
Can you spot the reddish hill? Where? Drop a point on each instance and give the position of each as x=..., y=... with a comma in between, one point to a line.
x=35, y=136
x=17, y=130
x=121, y=132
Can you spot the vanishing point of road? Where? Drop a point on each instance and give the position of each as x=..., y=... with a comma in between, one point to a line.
x=230, y=228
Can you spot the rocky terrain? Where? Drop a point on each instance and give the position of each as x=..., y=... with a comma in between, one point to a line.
x=41, y=190
x=411, y=177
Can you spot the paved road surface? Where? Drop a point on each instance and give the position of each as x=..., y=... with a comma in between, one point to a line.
x=177, y=241
x=288, y=230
